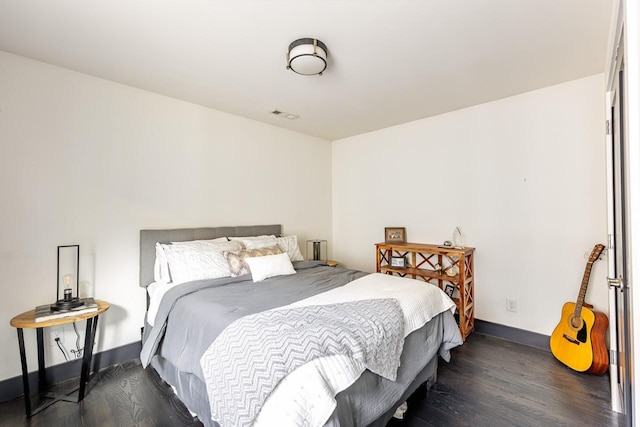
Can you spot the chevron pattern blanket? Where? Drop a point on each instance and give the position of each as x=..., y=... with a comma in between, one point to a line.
x=248, y=359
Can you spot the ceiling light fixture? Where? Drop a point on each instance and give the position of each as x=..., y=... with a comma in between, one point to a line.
x=307, y=57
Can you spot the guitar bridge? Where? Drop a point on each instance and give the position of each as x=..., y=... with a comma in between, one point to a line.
x=571, y=340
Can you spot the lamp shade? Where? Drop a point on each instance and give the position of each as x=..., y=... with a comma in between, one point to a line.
x=307, y=57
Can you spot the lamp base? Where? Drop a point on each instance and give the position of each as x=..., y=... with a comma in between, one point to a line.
x=66, y=304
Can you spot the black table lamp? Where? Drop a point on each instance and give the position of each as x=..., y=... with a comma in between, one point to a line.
x=68, y=278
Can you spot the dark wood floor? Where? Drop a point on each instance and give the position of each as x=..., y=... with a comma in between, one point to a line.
x=490, y=382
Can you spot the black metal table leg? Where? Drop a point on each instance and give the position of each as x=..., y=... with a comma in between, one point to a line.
x=41, y=374
x=89, y=335
x=93, y=335
x=25, y=373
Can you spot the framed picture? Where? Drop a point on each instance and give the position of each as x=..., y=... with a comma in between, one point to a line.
x=395, y=235
x=398, y=262
x=448, y=289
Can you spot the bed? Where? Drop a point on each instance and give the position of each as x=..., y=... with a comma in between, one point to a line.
x=189, y=320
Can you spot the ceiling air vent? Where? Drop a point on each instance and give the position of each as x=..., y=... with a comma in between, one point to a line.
x=285, y=115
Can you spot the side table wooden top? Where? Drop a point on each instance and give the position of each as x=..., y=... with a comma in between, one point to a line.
x=27, y=319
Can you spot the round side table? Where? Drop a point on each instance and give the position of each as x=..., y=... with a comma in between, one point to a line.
x=27, y=320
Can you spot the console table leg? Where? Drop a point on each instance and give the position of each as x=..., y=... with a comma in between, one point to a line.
x=89, y=336
x=25, y=373
x=93, y=335
x=41, y=375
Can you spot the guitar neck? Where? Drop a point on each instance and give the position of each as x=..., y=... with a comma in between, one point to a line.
x=583, y=289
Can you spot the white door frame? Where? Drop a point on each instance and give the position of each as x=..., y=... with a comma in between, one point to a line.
x=626, y=17
x=616, y=398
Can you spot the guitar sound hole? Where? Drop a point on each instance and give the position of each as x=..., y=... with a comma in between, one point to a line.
x=576, y=322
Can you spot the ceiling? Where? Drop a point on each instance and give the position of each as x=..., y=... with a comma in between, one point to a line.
x=390, y=62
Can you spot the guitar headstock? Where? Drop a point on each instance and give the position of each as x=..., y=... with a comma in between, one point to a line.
x=596, y=252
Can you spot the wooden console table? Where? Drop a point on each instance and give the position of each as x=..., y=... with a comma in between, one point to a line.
x=422, y=261
x=27, y=320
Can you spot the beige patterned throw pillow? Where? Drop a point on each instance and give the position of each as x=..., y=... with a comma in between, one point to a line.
x=237, y=264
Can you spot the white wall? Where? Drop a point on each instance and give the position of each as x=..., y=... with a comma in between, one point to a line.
x=90, y=162
x=87, y=161
x=524, y=177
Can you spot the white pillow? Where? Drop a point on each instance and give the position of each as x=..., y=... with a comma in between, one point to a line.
x=264, y=236
x=256, y=242
x=197, y=261
x=259, y=243
x=289, y=244
x=161, y=266
x=267, y=266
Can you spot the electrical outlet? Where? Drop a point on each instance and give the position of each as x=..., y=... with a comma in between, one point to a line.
x=512, y=305
x=56, y=333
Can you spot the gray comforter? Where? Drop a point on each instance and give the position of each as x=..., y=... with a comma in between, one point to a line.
x=192, y=315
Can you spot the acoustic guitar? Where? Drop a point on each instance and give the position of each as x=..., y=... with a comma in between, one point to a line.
x=578, y=340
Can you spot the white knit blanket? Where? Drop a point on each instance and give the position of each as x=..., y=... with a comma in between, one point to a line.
x=306, y=397
x=248, y=359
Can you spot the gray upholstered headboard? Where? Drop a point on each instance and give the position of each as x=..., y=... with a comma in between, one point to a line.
x=149, y=238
